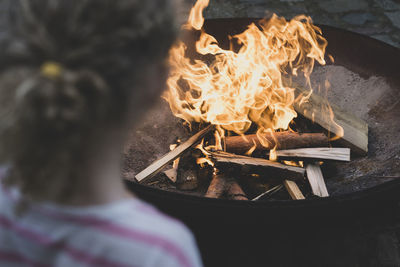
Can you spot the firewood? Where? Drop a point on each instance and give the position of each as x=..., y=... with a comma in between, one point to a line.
x=316, y=179
x=172, y=174
x=257, y=165
x=253, y=184
x=187, y=173
x=293, y=189
x=217, y=186
x=235, y=191
x=285, y=140
x=355, y=130
x=268, y=192
x=187, y=180
x=320, y=153
x=157, y=166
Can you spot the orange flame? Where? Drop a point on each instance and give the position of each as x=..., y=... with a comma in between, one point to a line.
x=244, y=87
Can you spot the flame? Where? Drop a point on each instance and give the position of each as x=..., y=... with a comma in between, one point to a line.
x=238, y=89
x=294, y=163
x=196, y=19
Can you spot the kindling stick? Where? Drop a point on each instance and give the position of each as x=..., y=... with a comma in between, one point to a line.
x=157, y=165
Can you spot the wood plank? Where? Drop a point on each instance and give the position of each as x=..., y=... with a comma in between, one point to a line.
x=316, y=179
x=257, y=164
x=319, y=153
x=157, y=165
x=355, y=129
x=294, y=190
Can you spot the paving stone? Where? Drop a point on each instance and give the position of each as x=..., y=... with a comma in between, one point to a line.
x=388, y=5
x=372, y=30
x=254, y=1
x=323, y=19
x=219, y=9
x=261, y=12
x=291, y=1
x=338, y=6
x=394, y=18
x=358, y=18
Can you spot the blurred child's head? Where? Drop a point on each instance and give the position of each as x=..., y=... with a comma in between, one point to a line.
x=71, y=72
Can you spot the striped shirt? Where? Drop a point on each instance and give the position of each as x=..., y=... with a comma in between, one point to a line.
x=125, y=233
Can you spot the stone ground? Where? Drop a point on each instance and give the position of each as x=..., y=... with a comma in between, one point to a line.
x=379, y=19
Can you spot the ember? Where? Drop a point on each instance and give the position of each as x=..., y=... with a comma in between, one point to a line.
x=247, y=95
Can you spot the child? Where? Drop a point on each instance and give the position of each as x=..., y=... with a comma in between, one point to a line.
x=74, y=77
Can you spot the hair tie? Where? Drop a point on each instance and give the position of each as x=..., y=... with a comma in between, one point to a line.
x=51, y=70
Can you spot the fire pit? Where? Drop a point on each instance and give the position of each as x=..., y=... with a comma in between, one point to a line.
x=365, y=83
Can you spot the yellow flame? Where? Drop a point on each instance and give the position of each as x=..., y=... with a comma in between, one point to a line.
x=196, y=19
x=272, y=154
x=251, y=150
x=294, y=163
x=237, y=89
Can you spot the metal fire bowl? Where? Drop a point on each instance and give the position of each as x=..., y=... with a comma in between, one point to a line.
x=215, y=219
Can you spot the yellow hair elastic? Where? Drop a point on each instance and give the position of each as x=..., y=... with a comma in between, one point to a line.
x=51, y=70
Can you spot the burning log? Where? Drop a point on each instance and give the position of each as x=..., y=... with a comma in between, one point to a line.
x=316, y=179
x=320, y=153
x=355, y=130
x=294, y=190
x=257, y=165
x=157, y=166
x=285, y=140
x=217, y=186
